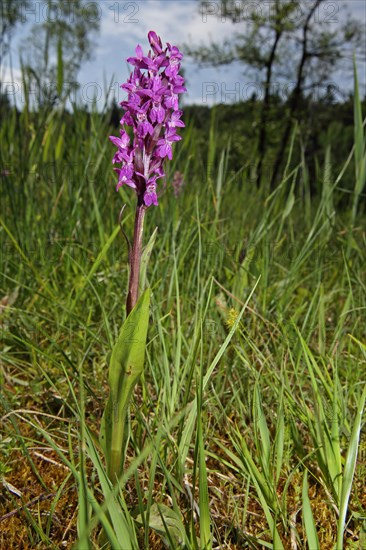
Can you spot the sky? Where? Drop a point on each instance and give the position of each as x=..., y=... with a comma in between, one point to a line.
x=123, y=24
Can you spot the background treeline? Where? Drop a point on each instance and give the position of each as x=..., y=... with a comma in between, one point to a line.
x=322, y=127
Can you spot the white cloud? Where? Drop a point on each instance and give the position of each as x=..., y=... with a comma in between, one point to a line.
x=176, y=22
x=12, y=83
x=173, y=21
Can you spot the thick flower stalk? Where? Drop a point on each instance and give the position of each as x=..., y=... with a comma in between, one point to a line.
x=153, y=115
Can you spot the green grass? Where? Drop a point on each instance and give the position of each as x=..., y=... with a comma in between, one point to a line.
x=246, y=428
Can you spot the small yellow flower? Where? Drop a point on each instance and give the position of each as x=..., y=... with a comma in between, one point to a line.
x=231, y=318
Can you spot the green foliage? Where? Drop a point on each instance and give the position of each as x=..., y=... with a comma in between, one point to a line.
x=246, y=425
x=11, y=14
x=310, y=527
x=281, y=42
x=125, y=369
x=67, y=35
x=322, y=126
x=360, y=148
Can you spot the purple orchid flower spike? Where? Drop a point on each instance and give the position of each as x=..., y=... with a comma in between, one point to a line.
x=151, y=112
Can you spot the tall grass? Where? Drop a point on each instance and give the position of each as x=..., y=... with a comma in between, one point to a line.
x=246, y=429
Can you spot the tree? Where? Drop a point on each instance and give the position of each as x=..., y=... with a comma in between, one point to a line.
x=282, y=41
x=58, y=45
x=11, y=13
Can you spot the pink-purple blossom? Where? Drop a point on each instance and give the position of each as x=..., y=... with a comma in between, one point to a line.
x=178, y=183
x=152, y=112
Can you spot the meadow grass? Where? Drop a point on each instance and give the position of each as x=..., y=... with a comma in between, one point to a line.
x=246, y=428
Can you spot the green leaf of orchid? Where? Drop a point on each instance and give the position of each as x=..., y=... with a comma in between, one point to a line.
x=125, y=369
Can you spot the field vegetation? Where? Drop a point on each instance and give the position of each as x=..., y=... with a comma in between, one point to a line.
x=247, y=424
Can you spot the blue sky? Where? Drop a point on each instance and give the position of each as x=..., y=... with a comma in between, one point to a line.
x=126, y=23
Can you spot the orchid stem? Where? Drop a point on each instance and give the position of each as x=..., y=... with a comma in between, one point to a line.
x=135, y=259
